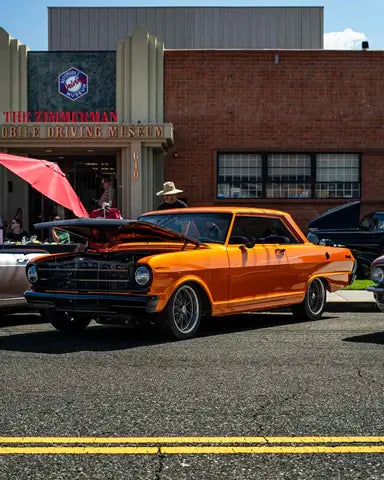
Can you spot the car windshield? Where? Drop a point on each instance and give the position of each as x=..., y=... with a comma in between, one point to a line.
x=204, y=227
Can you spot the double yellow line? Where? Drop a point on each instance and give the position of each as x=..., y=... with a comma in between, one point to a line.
x=188, y=445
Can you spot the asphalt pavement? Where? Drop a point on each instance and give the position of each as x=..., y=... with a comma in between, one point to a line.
x=258, y=376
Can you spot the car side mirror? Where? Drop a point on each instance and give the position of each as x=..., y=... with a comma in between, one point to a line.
x=250, y=242
x=326, y=242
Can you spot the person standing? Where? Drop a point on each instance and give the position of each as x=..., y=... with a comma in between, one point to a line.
x=109, y=194
x=169, y=193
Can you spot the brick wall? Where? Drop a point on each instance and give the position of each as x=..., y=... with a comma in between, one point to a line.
x=311, y=101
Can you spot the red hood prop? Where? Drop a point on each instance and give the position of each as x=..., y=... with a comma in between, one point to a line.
x=47, y=178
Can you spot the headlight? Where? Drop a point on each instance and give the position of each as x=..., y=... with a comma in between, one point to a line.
x=142, y=276
x=32, y=274
x=377, y=274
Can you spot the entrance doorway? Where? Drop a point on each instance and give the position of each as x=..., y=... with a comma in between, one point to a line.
x=85, y=174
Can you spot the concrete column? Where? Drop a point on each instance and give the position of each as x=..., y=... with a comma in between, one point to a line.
x=126, y=182
x=139, y=78
x=158, y=177
x=3, y=189
x=144, y=167
x=13, y=74
x=139, y=75
x=136, y=176
x=160, y=82
x=150, y=182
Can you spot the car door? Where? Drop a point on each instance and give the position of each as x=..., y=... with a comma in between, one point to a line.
x=257, y=271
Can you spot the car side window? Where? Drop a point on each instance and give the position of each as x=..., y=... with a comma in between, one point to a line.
x=260, y=230
x=377, y=222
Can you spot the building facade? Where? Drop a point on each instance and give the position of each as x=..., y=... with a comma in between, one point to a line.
x=294, y=129
x=76, y=29
x=300, y=131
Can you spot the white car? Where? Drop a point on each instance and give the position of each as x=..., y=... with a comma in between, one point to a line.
x=13, y=281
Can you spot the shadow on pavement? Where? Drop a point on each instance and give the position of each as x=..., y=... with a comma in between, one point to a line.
x=347, y=307
x=377, y=337
x=108, y=338
x=10, y=319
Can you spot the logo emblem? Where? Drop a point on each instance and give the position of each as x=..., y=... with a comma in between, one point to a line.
x=73, y=83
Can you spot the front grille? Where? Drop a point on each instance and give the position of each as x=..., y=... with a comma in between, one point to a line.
x=89, y=273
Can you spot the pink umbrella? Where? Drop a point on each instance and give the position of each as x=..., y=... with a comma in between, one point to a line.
x=47, y=178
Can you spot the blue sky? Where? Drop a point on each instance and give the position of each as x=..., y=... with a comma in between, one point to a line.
x=346, y=22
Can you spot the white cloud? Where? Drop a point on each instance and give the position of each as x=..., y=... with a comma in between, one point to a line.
x=347, y=40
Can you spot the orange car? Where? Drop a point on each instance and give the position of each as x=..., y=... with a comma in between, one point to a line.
x=178, y=265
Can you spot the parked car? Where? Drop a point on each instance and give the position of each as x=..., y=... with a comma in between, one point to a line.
x=13, y=282
x=377, y=275
x=175, y=266
x=342, y=226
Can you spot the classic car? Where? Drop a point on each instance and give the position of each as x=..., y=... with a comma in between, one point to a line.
x=342, y=226
x=13, y=281
x=13, y=260
x=175, y=266
x=377, y=276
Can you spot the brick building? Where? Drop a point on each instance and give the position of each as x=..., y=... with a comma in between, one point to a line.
x=277, y=122
x=300, y=131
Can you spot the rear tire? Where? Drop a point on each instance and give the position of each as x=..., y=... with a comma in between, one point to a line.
x=312, y=307
x=182, y=315
x=67, y=322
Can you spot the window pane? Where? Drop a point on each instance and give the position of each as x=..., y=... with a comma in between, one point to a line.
x=288, y=190
x=337, y=175
x=289, y=176
x=284, y=167
x=239, y=175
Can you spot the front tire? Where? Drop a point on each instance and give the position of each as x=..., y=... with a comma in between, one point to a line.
x=182, y=315
x=67, y=322
x=312, y=307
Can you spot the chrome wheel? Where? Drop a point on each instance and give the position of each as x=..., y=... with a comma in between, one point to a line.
x=312, y=307
x=316, y=296
x=185, y=309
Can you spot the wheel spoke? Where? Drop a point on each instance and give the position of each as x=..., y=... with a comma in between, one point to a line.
x=186, y=309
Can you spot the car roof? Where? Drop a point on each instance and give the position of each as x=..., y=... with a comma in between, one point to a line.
x=221, y=209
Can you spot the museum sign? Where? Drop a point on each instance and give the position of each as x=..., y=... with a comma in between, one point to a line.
x=110, y=132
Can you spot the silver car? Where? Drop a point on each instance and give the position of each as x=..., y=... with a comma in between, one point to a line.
x=13, y=281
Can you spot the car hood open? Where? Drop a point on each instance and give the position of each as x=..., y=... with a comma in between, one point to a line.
x=117, y=231
x=341, y=217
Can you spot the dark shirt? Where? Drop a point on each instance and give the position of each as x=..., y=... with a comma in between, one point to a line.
x=16, y=237
x=168, y=206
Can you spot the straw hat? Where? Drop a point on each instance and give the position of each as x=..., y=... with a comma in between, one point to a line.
x=169, y=189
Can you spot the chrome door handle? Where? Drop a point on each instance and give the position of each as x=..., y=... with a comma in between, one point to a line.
x=280, y=251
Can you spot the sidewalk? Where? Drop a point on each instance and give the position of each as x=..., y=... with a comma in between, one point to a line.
x=351, y=301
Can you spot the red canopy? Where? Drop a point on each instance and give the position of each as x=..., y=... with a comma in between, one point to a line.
x=47, y=178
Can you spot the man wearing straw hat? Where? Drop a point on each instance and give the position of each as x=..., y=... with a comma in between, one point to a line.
x=170, y=197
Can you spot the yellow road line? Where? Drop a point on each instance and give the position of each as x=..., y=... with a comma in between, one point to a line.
x=79, y=450
x=195, y=450
x=273, y=450
x=172, y=440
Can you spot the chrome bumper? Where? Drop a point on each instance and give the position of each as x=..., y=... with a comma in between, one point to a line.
x=378, y=293
x=91, y=303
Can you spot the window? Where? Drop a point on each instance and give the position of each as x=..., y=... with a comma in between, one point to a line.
x=260, y=230
x=337, y=175
x=239, y=175
x=288, y=175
